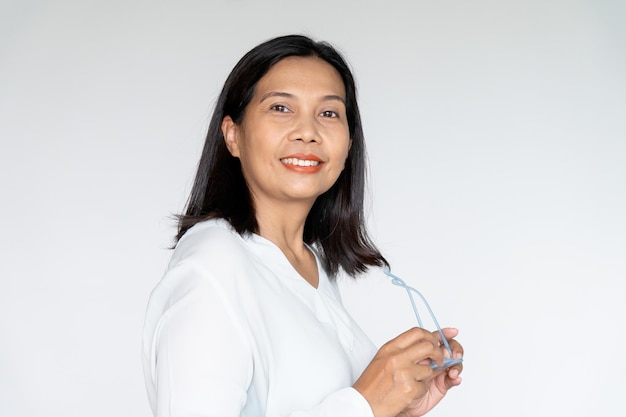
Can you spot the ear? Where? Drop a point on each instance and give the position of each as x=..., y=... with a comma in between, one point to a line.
x=347, y=155
x=230, y=132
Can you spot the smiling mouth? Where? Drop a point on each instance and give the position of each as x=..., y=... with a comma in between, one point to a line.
x=300, y=162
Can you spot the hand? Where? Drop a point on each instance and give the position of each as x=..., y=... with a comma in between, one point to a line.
x=441, y=381
x=400, y=374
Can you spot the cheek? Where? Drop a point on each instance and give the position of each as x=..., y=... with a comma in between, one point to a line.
x=342, y=157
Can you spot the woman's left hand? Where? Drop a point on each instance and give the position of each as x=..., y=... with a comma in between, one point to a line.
x=440, y=382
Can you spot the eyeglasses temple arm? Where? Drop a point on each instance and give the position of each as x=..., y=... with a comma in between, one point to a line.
x=396, y=280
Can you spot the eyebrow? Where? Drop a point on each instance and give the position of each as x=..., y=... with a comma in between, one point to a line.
x=291, y=96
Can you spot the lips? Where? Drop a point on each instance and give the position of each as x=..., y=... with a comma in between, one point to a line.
x=302, y=163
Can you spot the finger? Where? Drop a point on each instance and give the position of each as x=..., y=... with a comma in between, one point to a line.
x=455, y=372
x=448, y=381
x=457, y=349
x=423, y=373
x=410, y=337
x=448, y=332
x=424, y=351
x=457, y=353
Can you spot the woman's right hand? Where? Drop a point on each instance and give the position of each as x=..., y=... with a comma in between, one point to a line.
x=396, y=375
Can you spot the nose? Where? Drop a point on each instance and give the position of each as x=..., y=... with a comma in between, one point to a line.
x=305, y=130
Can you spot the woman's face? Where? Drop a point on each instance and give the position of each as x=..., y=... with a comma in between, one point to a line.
x=294, y=138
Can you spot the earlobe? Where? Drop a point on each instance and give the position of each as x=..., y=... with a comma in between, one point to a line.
x=347, y=154
x=229, y=130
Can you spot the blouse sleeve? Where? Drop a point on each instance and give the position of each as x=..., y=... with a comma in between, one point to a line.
x=343, y=403
x=200, y=363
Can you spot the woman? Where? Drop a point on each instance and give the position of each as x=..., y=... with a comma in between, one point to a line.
x=247, y=320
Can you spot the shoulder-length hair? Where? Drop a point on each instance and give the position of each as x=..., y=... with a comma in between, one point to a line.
x=335, y=225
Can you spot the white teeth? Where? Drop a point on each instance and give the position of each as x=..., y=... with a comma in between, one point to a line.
x=300, y=162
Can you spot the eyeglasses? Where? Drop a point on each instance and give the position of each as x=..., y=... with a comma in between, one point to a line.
x=396, y=280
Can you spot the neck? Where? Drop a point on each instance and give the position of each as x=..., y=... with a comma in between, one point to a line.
x=283, y=223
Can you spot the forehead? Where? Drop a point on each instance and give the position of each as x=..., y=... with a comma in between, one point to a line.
x=302, y=74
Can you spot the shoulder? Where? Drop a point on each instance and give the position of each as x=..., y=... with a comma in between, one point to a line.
x=210, y=254
x=209, y=261
x=209, y=243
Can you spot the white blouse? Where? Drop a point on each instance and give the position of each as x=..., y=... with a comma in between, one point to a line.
x=233, y=330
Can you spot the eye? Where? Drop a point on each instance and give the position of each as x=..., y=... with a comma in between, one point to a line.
x=329, y=113
x=279, y=108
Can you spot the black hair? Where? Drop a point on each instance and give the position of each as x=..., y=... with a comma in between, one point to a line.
x=335, y=225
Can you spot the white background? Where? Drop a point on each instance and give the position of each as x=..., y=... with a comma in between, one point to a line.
x=497, y=142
